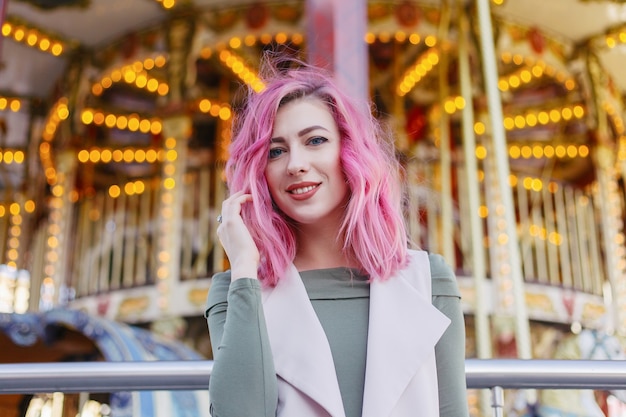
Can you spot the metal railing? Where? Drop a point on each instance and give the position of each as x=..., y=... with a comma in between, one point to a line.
x=493, y=374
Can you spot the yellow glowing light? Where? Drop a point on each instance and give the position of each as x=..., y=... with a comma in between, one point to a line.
x=151, y=155
x=139, y=187
x=536, y=185
x=583, y=151
x=543, y=117
x=514, y=152
x=430, y=41
x=234, y=43
x=204, y=105
x=155, y=127
x=579, y=112
x=94, y=155
x=249, y=40
x=29, y=206
x=118, y=155
x=297, y=38
x=114, y=191
x=481, y=152
x=163, y=89
x=224, y=113
x=129, y=155
x=414, y=38
x=110, y=120
x=106, y=155
x=57, y=49
x=281, y=38
x=144, y=126
x=572, y=151
x=555, y=115
x=87, y=116
x=169, y=183
x=159, y=61
x=140, y=155
x=83, y=155
x=19, y=34
x=171, y=155
x=133, y=123
x=122, y=122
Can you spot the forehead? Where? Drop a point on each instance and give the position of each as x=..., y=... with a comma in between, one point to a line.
x=304, y=112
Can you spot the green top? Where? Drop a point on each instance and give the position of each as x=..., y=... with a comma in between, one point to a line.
x=243, y=380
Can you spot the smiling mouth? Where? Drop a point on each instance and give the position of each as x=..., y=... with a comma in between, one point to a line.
x=303, y=189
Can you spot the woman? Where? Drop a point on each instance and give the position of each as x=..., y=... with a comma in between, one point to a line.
x=325, y=311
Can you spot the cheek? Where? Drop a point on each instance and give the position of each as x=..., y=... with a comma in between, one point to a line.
x=271, y=180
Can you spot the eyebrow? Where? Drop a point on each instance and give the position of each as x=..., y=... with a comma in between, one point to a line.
x=300, y=133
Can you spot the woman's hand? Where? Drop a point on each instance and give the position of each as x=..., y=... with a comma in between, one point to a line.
x=235, y=237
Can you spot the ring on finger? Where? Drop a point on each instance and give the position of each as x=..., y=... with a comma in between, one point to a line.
x=219, y=218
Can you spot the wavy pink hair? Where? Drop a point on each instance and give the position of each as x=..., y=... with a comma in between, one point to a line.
x=373, y=228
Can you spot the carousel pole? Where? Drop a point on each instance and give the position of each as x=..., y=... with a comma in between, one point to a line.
x=609, y=202
x=501, y=159
x=481, y=315
x=447, y=218
x=336, y=41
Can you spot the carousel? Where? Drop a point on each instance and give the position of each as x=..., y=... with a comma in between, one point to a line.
x=508, y=117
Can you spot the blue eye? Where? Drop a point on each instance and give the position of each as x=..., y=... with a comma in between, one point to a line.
x=317, y=140
x=275, y=153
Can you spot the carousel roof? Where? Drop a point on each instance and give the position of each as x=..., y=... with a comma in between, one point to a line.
x=91, y=23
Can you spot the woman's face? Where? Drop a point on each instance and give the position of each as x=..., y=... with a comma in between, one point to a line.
x=304, y=172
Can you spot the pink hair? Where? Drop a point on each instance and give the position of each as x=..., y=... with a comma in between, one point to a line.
x=373, y=229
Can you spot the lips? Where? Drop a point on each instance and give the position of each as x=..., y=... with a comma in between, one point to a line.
x=303, y=190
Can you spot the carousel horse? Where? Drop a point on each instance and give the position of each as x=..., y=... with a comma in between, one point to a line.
x=588, y=344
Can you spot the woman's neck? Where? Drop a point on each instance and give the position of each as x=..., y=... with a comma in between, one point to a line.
x=320, y=248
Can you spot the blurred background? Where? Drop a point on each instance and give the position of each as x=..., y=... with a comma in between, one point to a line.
x=115, y=122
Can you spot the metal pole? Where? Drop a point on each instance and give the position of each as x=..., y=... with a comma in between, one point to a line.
x=497, y=401
x=69, y=377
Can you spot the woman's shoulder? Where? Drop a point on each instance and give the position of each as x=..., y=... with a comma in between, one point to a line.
x=443, y=277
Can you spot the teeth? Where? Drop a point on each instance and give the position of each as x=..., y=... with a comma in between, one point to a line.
x=303, y=190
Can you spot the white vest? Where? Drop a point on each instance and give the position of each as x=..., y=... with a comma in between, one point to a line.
x=404, y=326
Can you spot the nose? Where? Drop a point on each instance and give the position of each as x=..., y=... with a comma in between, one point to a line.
x=298, y=162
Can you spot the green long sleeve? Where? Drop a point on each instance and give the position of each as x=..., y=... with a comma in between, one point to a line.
x=243, y=382
x=450, y=350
